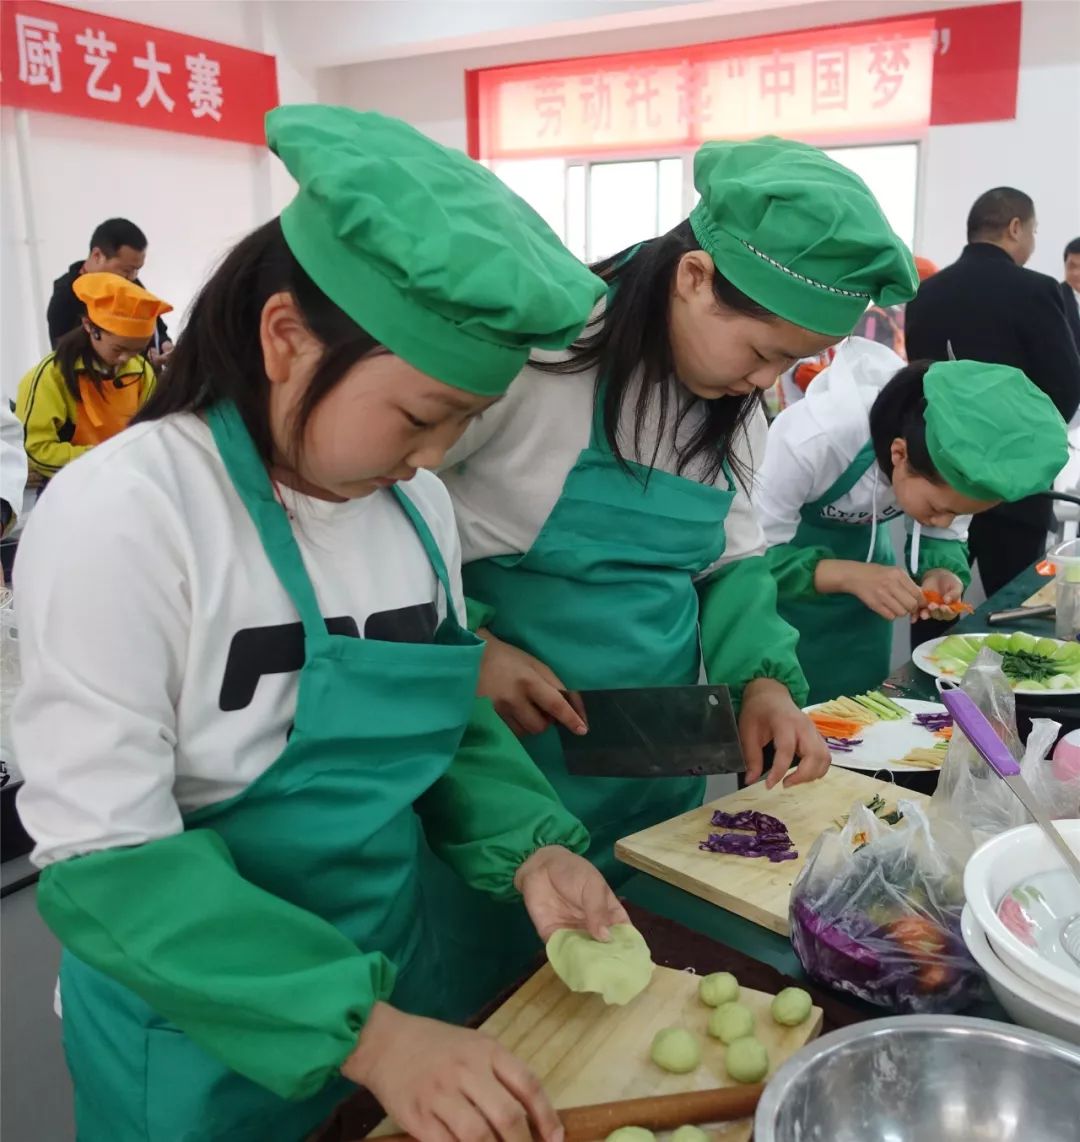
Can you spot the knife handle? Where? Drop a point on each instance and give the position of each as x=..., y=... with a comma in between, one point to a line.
x=661, y=1112
x=978, y=730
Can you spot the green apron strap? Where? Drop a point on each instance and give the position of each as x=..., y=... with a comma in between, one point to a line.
x=432, y=549
x=847, y=479
x=252, y=481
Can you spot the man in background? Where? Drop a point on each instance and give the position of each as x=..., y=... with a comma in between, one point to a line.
x=986, y=307
x=117, y=246
x=1070, y=288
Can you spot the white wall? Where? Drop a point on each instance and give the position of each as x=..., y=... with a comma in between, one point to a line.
x=958, y=163
x=193, y=197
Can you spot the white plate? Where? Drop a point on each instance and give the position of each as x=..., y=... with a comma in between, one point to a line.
x=884, y=743
x=995, y=869
x=1028, y=1005
x=923, y=657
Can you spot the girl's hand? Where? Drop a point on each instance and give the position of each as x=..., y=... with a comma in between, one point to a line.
x=768, y=714
x=948, y=586
x=446, y=1084
x=888, y=591
x=526, y=695
x=562, y=890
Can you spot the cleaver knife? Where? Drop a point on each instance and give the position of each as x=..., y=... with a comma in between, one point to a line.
x=662, y=731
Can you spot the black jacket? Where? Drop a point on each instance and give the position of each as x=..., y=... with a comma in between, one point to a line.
x=1072, y=311
x=991, y=309
x=66, y=311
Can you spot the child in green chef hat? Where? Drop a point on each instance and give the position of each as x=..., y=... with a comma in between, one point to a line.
x=235, y=763
x=607, y=527
x=877, y=439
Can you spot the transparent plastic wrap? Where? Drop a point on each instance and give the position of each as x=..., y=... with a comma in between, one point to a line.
x=970, y=794
x=876, y=912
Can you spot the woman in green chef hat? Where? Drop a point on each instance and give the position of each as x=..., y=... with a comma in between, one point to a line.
x=607, y=531
x=876, y=439
x=232, y=763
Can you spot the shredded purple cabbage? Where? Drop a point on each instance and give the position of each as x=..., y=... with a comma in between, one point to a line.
x=765, y=836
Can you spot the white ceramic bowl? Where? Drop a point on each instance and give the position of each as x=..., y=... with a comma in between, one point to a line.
x=1026, y=1004
x=995, y=869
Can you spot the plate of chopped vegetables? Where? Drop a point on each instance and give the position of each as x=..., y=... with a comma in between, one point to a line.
x=1031, y=664
x=874, y=732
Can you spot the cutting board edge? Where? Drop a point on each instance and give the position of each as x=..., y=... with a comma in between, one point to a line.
x=703, y=891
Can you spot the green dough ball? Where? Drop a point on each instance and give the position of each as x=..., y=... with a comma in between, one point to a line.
x=631, y=1134
x=730, y=1022
x=720, y=987
x=618, y=970
x=746, y=1060
x=675, y=1049
x=791, y=1006
x=690, y=1134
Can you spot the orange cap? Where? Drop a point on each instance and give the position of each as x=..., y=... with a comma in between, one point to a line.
x=924, y=268
x=119, y=306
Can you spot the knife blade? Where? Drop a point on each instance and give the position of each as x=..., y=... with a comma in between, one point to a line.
x=662, y=731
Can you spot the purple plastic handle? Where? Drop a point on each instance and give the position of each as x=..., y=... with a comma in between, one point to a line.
x=977, y=729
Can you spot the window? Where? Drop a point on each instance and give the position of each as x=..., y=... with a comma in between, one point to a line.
x=600, y=208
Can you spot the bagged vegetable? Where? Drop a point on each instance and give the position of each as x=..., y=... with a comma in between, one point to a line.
x=876, y=912
x=970, y=794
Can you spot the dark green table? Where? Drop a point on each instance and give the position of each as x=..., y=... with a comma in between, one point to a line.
x=908, y=682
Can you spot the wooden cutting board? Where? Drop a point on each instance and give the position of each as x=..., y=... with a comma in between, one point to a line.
x=754, y=888
x=584, y=1052
x=1045, y=595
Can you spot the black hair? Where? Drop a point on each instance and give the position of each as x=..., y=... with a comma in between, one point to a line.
x=899, y=412
x=1072, y=248
x=631, y=336
x=219, y=356
x=77, y=346
x=114, y=233
x=992, y=212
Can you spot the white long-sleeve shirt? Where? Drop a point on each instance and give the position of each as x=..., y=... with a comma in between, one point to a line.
x=509, y=468
x=12, y=459
x=160, y=653
x=812, y=443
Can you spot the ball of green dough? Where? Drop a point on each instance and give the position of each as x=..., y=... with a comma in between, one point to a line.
x=791, y=1006
x=730, y=1022
x=631, y=1134
x=675, y=1049
x=690, y=1134
x=720, y=987
x=746, y=1060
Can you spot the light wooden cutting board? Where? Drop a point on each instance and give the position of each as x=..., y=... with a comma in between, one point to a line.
x=584, y=1052
x=754, y=888
x=1046, y=594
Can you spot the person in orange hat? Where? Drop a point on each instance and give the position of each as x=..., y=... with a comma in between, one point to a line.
x=96, y=379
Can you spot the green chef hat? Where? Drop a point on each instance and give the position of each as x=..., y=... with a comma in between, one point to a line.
x=991, y=434
x=798, y=233
x=425, y=249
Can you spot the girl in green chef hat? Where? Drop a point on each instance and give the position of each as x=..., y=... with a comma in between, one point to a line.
x=874, y=440
x=607, y=531
x=232, y=762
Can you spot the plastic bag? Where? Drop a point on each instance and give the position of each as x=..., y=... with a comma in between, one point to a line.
x=876, y=912
x=969, y=793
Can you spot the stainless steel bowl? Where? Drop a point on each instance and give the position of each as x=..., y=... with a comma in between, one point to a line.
x=925, y=1078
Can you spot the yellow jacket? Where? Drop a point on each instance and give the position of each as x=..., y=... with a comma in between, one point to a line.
x=58, y=428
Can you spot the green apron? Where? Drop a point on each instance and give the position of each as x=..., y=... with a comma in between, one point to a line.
x=606, y=598
x=844, y=648
x=330, y=827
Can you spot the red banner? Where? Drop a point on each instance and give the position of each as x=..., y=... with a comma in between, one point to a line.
x=871, y=82
x=73, y=62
